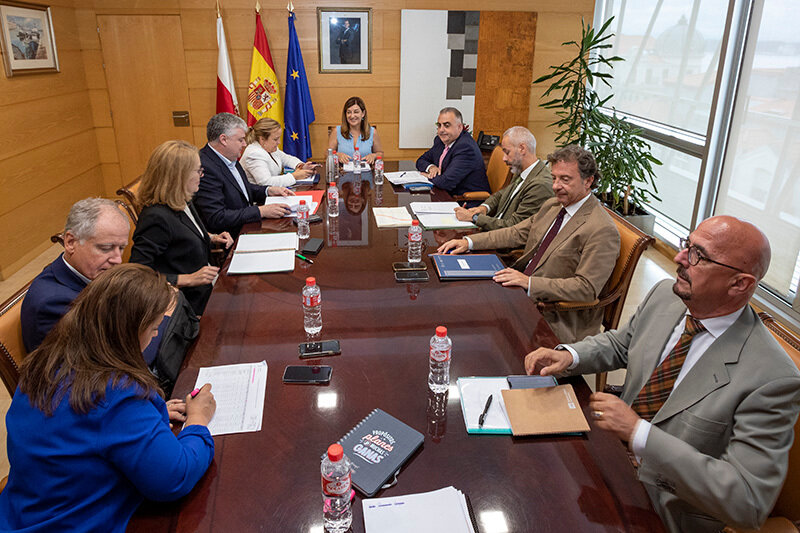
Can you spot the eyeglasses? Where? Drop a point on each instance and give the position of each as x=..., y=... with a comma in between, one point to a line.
x=695, y=256
x=200, y=171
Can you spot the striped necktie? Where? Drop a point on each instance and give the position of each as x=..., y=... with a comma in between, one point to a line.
x=659, y=386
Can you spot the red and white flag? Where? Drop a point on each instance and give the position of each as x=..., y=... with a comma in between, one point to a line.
x=226, y=93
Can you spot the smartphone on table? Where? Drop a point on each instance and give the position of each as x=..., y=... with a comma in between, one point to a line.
x=411, y=276
x=403, y=267
x=309, y=350
x=314, y=375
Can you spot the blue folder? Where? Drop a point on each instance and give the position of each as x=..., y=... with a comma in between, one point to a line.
x=465, y=267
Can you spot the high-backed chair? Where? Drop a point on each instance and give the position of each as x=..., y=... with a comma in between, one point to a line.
x=785, y=516
x=633, y=242
x=12, y=349
x=130, y=203
x=498, y=173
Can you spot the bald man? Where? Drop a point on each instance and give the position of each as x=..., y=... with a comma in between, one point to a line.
x=710, y=399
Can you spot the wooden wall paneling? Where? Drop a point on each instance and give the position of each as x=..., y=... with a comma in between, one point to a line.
x=32, y=88
x=505, y=63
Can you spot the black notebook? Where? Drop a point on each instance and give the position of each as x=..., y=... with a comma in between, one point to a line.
x=378, y=446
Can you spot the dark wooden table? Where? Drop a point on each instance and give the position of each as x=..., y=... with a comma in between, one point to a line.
x=270, y=480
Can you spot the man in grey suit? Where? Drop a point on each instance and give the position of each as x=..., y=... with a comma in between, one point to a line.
x=530, y=185
x=710, y=399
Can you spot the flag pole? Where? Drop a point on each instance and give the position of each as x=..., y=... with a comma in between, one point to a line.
x=258, y=7
x=290, y=7
x=218, y=13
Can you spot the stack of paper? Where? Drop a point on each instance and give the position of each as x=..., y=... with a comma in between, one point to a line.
x=438, y=215
x=239, y=391
x=440, y=510
x=407, y=176
x=294, y=202
x=264, y=252
x=391, y=217
x=351, y=167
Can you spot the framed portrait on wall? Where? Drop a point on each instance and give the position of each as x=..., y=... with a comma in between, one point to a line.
x=28, y=41
x=345, y=39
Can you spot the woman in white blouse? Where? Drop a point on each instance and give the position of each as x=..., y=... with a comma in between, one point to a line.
x=264, y=163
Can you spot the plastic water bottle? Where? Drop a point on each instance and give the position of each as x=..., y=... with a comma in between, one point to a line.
x=333, y=199
x=414, y=242
x=303, y=230
x=357, y=164
x=312, y=307
x=439, y=374
x=329, y=164
x=379, y=171
x=335, y=163
x=336, y=469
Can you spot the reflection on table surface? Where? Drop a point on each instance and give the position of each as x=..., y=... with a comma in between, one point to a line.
x=270, y=480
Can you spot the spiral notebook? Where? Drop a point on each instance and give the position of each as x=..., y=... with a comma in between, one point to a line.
x=378, y=446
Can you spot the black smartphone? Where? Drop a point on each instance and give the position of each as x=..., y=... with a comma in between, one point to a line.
x=307, y=374
x=411, y=276
x=312, y=219
x=318, y=349
x=405, y=267
x=312, y=246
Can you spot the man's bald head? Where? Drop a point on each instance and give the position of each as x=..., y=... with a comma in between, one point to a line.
x=741, y=243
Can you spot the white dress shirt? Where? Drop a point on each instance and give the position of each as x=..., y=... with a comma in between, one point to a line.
x=235, y=171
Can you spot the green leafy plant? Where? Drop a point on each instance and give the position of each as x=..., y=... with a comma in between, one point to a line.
x=622, y=155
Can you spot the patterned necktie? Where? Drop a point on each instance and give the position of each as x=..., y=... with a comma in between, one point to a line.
x=659, y=386
x=511, y=188
x=441, y=157
x=546, y=242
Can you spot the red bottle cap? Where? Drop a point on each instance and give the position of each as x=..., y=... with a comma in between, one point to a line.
x=415, y=222
x=302, y=202
x=335, y=452
x=311, y=281
x=332, y=184
x=441, y=331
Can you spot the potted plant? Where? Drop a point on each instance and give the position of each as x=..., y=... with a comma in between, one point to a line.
x=622, y=155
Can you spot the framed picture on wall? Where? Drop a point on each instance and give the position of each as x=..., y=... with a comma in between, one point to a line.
x=345, y=39
x=28, y=42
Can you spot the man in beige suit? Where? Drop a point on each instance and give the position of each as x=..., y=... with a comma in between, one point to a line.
x=530, y=186
x=710, y=398
x=571, y=245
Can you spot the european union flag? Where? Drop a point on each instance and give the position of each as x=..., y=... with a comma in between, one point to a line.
x=298, y=112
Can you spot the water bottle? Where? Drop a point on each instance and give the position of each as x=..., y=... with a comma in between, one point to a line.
x=335, y=163
x=329, y=163
x=357, y=164
x=439, y=374
x=379, y=171
x=303, y=230
x=312, y=307
x=414, y=242
x=336, y=469
x=333, y=200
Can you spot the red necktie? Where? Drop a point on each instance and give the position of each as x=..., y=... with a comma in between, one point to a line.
x=546, y=242
x=661, y=382
x=441, y=157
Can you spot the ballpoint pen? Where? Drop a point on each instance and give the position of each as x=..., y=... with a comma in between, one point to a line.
x=304, y=258
x=485, y=410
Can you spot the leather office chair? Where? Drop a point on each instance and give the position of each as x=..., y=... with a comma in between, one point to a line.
x=633, y=242
x=130, y=202
x=785, y=516
x=498, y=173
x=12, y=349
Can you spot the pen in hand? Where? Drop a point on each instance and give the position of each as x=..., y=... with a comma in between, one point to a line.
x=482, y=418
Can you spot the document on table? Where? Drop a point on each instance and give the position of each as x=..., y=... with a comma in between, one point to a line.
x=439, y=510
x=442, y=221
x=391, y=217
x=407, y=176
x=239, y=391
x=351, y=167
x=294, y=202
x=260, y=253
x=473, y=392
x=440, y=208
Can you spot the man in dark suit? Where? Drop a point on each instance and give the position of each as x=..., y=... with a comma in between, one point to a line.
x=454, y=163
x=710, y=398
x=226, y=200
x=530, y=185
x=95, y=236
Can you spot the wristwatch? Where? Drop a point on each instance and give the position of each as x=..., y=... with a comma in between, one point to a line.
x=475, y=218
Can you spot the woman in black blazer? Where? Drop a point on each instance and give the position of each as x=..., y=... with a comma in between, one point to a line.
x=170, y=236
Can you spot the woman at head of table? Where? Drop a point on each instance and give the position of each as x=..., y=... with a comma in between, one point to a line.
x=264, y=163
x=355, y=131
x=89, y=433
x=170, y=236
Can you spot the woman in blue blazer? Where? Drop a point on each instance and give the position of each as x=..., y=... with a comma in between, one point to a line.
x=170, y=236
x=88, y=430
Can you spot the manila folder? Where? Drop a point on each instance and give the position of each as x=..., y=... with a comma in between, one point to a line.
x=544, y=411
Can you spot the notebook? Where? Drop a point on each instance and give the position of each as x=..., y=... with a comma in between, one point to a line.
x=446, y=509
x=473, y=392
x=378, y=446
x=465, y=267
x=546, y=411
x=264, y=252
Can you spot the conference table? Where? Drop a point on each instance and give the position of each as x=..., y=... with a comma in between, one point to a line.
x=270, y=480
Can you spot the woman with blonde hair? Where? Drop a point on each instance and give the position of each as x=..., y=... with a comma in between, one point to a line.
x=88, y=430
x=355, y=131
x=264, y=163
x=170, y=236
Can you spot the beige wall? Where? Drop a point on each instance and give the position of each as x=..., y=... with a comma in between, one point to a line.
x=61, y=146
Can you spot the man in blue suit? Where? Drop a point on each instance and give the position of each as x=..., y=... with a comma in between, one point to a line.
x=95, y=236
x=454, y=163
x=226, y=200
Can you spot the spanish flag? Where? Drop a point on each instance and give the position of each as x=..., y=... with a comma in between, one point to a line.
x=263, y=94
